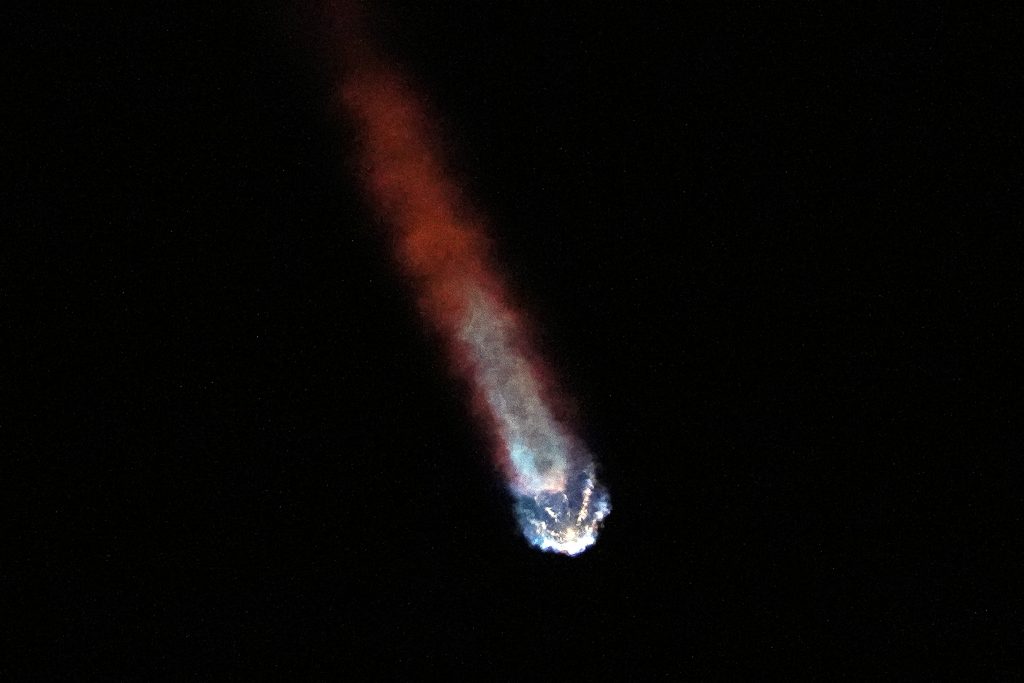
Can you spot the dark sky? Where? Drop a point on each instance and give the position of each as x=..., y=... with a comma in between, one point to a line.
x=771, y=253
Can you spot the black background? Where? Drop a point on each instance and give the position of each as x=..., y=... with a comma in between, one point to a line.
x=773, y=257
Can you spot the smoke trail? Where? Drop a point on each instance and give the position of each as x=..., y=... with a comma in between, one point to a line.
x=441, y=246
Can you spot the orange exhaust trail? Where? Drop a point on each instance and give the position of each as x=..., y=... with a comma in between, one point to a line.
x=441, y=246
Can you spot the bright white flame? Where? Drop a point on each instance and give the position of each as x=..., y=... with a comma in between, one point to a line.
x=565, y=521
x=560, y=505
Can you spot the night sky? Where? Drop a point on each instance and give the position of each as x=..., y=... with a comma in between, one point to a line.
x=773, y=256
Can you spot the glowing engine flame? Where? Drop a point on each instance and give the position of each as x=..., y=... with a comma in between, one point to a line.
x=565, y=521
x=441, y=246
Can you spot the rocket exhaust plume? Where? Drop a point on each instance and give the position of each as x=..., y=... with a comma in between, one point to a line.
x=441, y=246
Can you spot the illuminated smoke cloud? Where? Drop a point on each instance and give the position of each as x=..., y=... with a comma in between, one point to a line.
x=441, y=246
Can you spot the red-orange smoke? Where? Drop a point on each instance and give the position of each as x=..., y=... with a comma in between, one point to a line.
x=439, y=244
